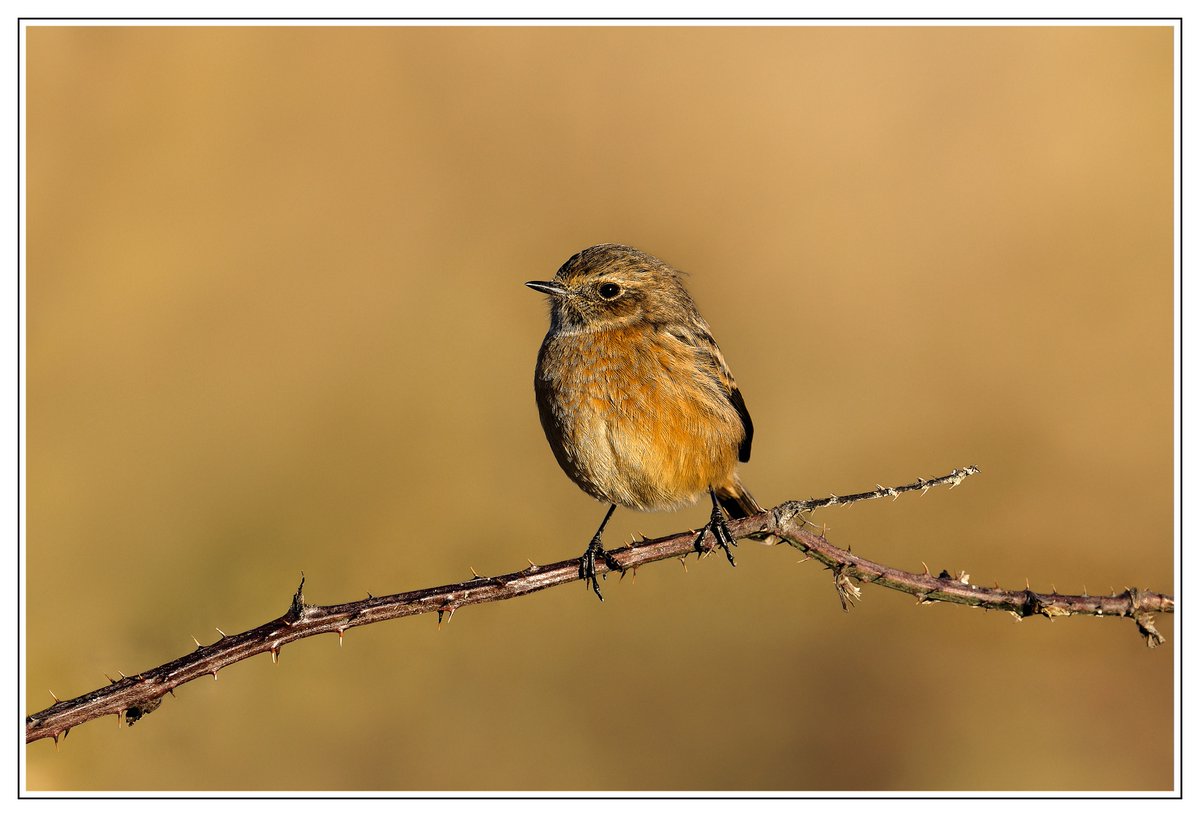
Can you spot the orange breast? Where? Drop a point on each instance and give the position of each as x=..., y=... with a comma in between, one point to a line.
x=632, y=418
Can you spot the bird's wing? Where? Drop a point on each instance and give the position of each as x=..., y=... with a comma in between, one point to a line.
x=713, y=364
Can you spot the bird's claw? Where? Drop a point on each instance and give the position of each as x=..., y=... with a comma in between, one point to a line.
x=587, y=565
x=720, y=531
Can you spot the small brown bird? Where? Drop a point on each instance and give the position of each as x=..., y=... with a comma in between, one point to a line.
x=634, y=395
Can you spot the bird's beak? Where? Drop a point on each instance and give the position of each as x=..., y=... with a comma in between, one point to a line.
x=548, y=287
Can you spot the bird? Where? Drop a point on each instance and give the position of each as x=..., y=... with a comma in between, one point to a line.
x=635, y=397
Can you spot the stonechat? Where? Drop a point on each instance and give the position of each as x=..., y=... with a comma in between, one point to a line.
x=635, y=397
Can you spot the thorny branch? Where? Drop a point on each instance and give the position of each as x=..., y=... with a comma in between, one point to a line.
x=132, y=697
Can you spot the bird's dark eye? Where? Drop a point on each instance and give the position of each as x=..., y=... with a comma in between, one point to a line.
x=609, y=291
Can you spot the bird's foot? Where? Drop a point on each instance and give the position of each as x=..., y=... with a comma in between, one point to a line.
x=720, y=531
x=587, y=564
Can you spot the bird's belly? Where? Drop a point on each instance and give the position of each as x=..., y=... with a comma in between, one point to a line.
x=636, y=427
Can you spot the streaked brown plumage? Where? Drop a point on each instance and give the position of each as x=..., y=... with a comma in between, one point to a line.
x=635, y=398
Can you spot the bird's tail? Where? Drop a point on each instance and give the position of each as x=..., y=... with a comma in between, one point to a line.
x=740, y=503
x=736, y=500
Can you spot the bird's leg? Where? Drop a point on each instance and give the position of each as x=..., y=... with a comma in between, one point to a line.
x=720, y=531
x=587, y=562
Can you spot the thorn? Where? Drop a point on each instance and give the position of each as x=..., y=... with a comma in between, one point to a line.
x=474, y=574
x=1053, y=589
x=1085, y=591
x=927, y=573
x=123, y=675
x=111, y=679
x=341, y=631
x=55, y=697
x=198, y=646
x=213, y=673
x=369, y=596
x=55, y=736
x=172, y=691
x=683, y=561
x=532, y=566
x=1026, y=582
x=222, y=632
x=274, y=655
x=66, y=732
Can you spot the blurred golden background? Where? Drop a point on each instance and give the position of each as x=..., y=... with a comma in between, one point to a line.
x=276, y=323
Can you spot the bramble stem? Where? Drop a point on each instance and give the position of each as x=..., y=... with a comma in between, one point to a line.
x=134, y=696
